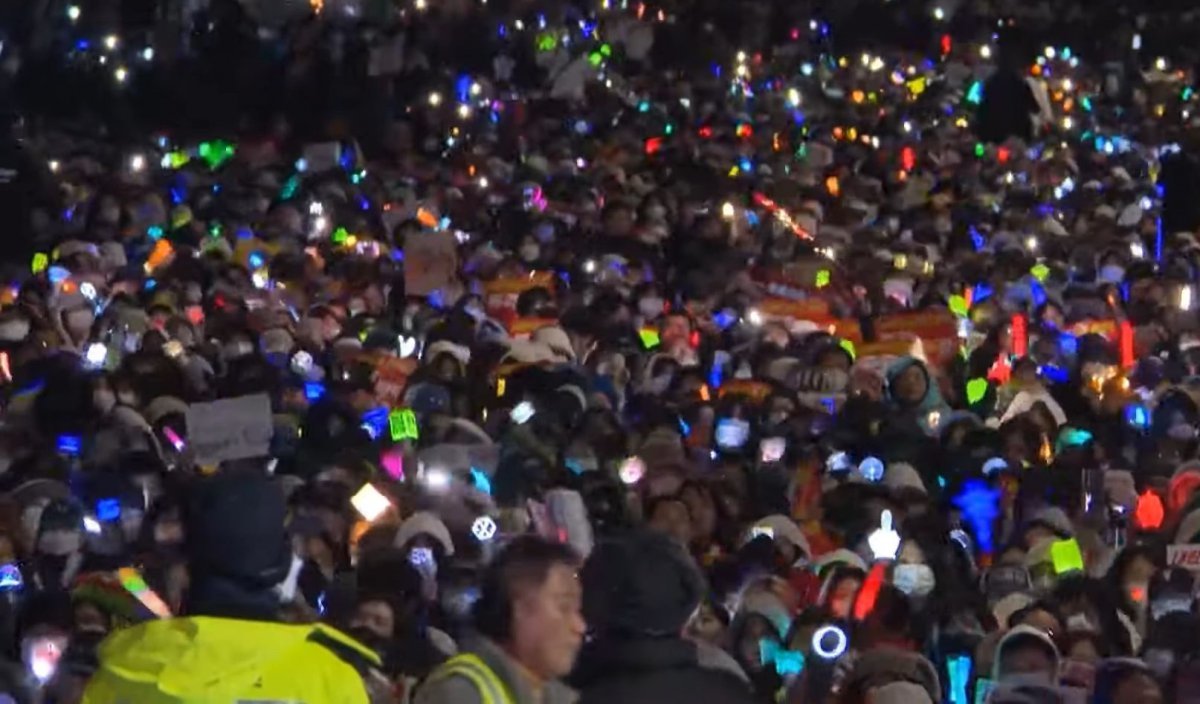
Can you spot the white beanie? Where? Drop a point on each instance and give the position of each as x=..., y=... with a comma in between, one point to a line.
x=425, y=523
x=899, y=693
x=901, y=475
x=783, y=529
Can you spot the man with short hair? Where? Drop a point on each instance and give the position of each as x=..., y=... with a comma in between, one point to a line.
x=530, y=625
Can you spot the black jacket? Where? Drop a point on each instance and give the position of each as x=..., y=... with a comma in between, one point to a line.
x=652, y=671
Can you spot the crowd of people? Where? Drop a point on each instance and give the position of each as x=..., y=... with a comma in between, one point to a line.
x=448, y=352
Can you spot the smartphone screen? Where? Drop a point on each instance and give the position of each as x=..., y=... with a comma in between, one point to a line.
x=771, y=450
x=41, y=656
x=10, y=578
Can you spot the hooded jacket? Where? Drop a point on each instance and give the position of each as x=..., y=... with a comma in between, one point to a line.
x=202, y=659
x=922, y=411
x=1024, y=633
x=645, y=670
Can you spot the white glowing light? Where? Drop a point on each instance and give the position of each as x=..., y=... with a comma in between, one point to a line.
x=754, y=317
x=632, y=470
x=484, y=528
x=435, y=99
x=137, y=163
x=437, y=479
x=121, y=74
x=840, y=642
x=73, y=13
x=370, y=502
x=96, y=353
x=522, y=412
x=111, y=41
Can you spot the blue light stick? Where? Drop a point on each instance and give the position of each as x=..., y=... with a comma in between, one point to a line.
x=980, y=505
x=958, y=668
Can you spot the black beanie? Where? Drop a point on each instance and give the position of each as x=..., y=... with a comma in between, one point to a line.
x=640, y=583
x=235, y=528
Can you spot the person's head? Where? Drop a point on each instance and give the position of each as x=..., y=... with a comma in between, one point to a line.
x=840, y=589
x=530, y=602
x=641, y=584
x=1040, y=615
x=910, y=384
x=1126, y=681
x=376, y=616
x=236, y=507
x=702, y=510
x=669, y=515
x=1026, y=653
x=710, y=623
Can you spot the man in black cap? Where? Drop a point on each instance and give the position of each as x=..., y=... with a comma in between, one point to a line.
x=229, y=647
x=638, y=592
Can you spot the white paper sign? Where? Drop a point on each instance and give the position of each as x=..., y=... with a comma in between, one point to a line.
x=230, y=429
x=1185, y=556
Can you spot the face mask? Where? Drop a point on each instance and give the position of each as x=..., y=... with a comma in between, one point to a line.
x=104, y=400
x=128, y=398
x=14, y=330
x=914, y=580
x=59, y=542
x=1159, y=661
x=1080, y=623
x=658, y=385
x=656, y=212
x=650, y=307
x=1028, y=679
x=368, y=638
x=529, y=252
x=109, y=215
x=79, y=321
x=1169, y=605
x=236, y=349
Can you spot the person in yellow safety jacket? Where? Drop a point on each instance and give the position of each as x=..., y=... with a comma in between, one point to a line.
x=203, y=659
x=230, y=647
x=528, y=615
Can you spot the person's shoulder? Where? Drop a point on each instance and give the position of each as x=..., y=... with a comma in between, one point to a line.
x=694, y=684
x=442, y=687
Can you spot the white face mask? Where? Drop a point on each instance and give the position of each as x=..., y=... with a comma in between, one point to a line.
x=14, y=330
x=650, y=307
x=104, y=400
x=658, y=385
x=656, y=212
x=914, y=580
x=1080, y=623
x=529, y=252
x=236, y=349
